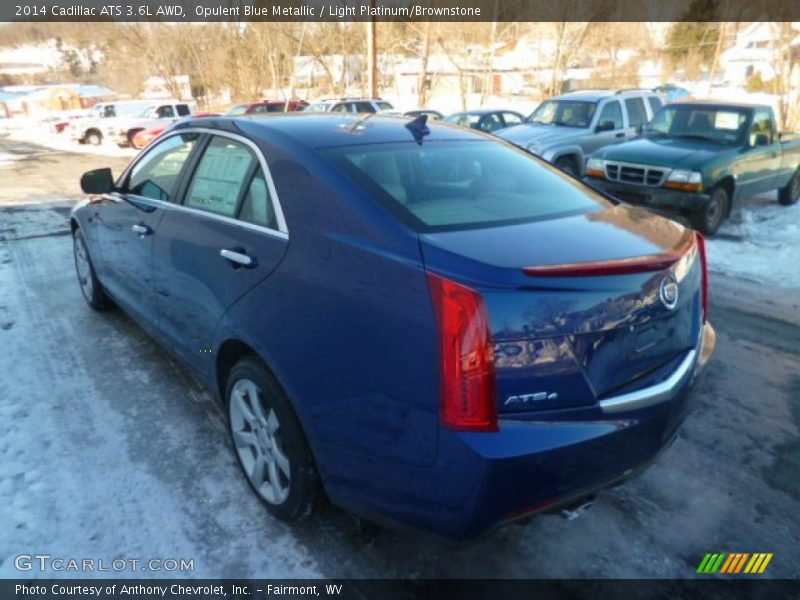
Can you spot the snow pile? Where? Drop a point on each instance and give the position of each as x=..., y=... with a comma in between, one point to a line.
x=760, y=242
x=7, y=159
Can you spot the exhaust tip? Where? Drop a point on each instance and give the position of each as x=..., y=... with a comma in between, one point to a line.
x=573, y=511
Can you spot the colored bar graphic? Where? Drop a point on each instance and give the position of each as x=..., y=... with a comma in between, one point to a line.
x=734, y=563
x=711, y=562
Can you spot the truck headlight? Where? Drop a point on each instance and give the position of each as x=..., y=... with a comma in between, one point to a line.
x=685, y=181
x=595, y=167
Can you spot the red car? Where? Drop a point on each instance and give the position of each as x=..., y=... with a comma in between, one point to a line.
x=145, y=136
x=265, y=106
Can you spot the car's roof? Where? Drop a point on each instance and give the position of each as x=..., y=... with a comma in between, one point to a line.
x=719, y=104
x=595, y=95
x=320, y=130
x=483, y=111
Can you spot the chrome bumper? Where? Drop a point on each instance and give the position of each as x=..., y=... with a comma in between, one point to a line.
x=691, y=366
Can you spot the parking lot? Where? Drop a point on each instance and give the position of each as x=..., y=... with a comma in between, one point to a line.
x=109, y=449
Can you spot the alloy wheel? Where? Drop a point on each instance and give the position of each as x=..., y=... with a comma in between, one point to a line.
x=259, y=442
x=83, y=268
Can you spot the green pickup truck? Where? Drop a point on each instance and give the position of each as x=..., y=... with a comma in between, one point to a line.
x=698, y=158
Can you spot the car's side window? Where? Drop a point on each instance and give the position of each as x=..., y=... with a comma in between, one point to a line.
x=220, y=179
x=364, y=107
x=637, y=115
x=259, y=110
x=491, y=122
x=612, y=112
x=156, y=174
x=762, y=123
x=655, y=103
x=511, y=119
x=183, y=110
x=165, y=112
x=341, y=107
x=257, y=205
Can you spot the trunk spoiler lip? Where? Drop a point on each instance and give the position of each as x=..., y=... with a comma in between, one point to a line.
x=615, y=266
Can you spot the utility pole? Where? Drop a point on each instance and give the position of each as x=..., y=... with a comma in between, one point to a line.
x=372, y=53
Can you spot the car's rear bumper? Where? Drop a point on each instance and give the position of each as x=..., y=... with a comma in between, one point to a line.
x=653, y=197
x=481, y=480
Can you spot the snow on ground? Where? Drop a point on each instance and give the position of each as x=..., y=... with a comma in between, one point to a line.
x=91, y=465
x=7, y=159
x=760, y=242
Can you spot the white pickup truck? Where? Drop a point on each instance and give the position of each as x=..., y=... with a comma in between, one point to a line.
x=118, y=122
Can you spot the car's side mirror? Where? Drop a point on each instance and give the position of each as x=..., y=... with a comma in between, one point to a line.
x=605, y=126
x=99, y=181
x=761, y=139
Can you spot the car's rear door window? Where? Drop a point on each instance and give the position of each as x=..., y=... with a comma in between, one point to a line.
x=183, y=110
x=364, y=107
x=218, y=182
x=637, y=114
x=257, y=206
x=156, y=174
x=655, y=103
x=511, y=119
x=462, y=185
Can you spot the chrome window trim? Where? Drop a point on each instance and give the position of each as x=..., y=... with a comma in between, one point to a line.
x=281, y=232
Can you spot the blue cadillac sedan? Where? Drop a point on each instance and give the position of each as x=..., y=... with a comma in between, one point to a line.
x=421, y=323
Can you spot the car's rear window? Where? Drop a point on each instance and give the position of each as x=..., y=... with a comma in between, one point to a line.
x=439, y=186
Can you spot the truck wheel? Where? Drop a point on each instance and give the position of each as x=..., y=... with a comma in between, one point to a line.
x=95, y=138
x=708, y=219
x=567, y=165
x=790, y=194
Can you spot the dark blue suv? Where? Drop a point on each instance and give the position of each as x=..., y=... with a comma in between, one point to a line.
x=422, y=323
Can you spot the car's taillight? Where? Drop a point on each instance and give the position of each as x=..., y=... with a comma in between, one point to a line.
x=468, y=393
x=701, y=248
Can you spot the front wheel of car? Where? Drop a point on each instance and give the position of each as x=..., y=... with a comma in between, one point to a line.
x=91, y=287
x=708, y=219
x=270, y=443
x=790, y=194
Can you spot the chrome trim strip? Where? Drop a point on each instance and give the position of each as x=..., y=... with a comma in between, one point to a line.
x=282, y=230
x=655, y=394
x=209, y=215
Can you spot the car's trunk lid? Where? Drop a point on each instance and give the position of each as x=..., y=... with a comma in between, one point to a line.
x=576, y=305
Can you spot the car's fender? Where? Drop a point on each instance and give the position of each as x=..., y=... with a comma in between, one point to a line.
x=572, y=150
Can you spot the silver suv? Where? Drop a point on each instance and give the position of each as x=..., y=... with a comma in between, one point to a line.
x=566, y=129
x=350, y=105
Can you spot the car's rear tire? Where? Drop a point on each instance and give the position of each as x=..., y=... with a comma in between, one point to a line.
x=95, y=138
x=708, y=219
x=269, y=442
x=568, y=165
x=91, y=288
x=790, y=193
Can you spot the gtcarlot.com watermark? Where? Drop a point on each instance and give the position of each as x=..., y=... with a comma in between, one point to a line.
x=46, y=563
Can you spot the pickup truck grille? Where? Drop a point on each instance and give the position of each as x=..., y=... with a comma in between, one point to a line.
x=636, y=174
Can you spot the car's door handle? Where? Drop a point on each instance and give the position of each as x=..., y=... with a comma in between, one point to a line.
x=141, y=229
x=619, y=135
x=239, y=258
